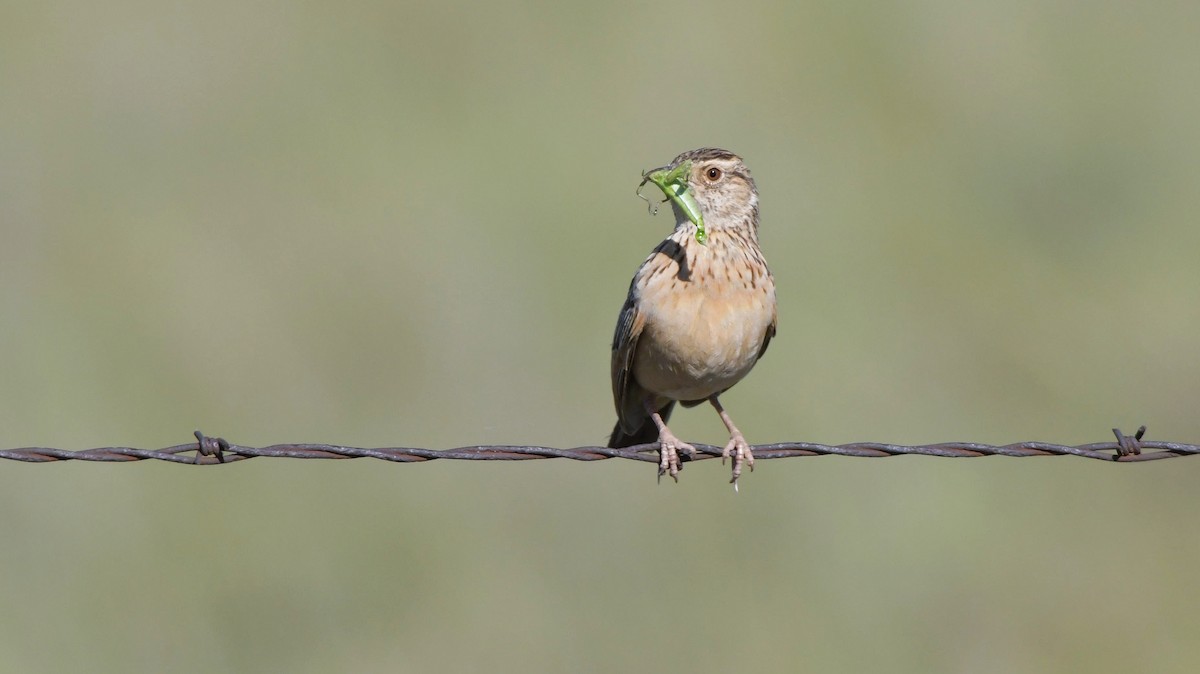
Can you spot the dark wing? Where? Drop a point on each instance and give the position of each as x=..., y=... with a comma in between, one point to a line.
x=624, y=347
x=770, y=333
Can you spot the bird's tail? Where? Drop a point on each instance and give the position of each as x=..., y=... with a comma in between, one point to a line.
x=646, y=431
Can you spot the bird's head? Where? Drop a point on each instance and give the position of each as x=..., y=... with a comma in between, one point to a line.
x=710, y=187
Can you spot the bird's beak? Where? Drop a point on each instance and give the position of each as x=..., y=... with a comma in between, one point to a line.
x=673, y=181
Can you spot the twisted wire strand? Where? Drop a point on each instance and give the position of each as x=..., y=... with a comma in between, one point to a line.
x=209, y=450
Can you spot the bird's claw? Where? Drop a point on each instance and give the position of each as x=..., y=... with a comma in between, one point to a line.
x=669, y=447
x=739, y=449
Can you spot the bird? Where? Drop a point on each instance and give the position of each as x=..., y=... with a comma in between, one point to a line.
x=700, y=311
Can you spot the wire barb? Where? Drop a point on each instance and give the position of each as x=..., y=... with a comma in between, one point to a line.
x=213, y=450
x=206, y=446
x=1129, y=446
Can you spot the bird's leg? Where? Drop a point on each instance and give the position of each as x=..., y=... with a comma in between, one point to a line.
x=737, y=447
x=669, y=446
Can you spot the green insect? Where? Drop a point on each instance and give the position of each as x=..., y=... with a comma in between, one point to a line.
x=673, y=183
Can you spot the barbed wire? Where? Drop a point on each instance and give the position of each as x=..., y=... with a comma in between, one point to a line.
x=212, y=450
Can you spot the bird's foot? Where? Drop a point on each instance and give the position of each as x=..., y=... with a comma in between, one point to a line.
x=669, y=447
x=739, y=449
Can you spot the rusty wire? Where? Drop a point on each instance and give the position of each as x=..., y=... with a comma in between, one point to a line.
x=211, y=450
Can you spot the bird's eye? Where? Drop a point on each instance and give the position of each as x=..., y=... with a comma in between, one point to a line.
x=713, y=173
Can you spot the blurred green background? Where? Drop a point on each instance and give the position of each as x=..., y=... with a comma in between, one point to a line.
x=387, y=224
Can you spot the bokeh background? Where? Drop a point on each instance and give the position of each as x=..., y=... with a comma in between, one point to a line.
x=382, y=224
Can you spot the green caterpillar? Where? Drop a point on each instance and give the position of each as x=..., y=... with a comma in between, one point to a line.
x=673, y=183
